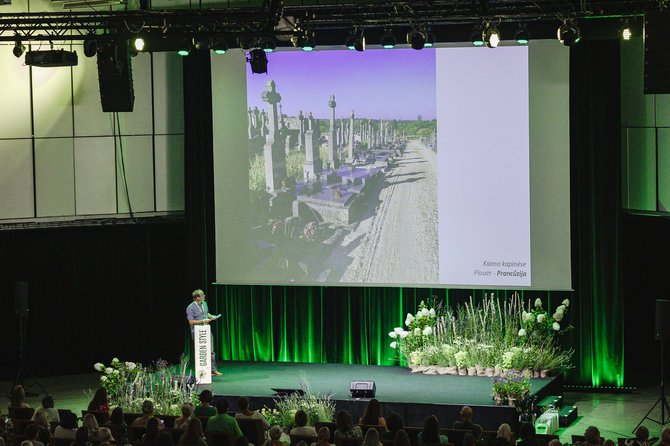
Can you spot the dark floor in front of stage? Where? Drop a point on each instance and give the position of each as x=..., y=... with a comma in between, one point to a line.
x=614, y=414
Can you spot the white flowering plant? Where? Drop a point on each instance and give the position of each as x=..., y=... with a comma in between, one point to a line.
x=539, y=325
x=317, y=406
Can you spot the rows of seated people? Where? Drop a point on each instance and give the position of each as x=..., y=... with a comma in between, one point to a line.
x=211, y=425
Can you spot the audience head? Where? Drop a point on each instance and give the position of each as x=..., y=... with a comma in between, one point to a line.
x=373, y=412
x=99, y=398
x=592, y=435
x=343, y=421
x=323, y=435
x=469, y=440
x=48, y=402
x=665, y=435
x=147, y=408
x=275, y=433
x=41, y=420
x=242, y=404
x=187, y=410
x=101, y=435
x=466, y=413
x=300, y=418
x=206, y=397
x=164, y=439
x=18, y=396
x=642, y=433
x=117, y=416
x=394, y=422
x=222, y=406
x=302, y=443
x=401, y=438
x=68, y=421
x=431, y=430
x=505, y=431
x=371, y=437
x=609, y=443
x=31, y=431
x=193, y=431
x=555, y=442
x=526, y=430
x=26, y=443
x=152, y=430
x=241, y=441
x=89, y=422
x=81, y=437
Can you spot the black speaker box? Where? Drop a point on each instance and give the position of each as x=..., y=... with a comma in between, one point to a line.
x=656, y=54
x=115, y=76
x=21, y=295
x=662, y=325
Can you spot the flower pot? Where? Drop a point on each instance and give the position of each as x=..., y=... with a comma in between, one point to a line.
x=481, y=371
x=462, y=371
x=511, y=401
x=490, y=371
x=419, y=368
x=430, y=370
x=545, y=373
x=472, y=371
x=527, y=372
x=497, y=371
x=442, y=370
x=452, y=370
x=536, y=374
x=499, y=400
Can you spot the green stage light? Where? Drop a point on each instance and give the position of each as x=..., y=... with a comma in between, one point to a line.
x=220, y=46
x=388, y=40
x=522, y=35
x=476, y=37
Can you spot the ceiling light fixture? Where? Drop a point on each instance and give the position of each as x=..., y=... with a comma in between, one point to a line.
x=568, y=33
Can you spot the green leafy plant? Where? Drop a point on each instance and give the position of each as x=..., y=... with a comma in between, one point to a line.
x=512, y=384
x=318, y=407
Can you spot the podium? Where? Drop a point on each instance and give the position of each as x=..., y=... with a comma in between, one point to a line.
x=203, y=354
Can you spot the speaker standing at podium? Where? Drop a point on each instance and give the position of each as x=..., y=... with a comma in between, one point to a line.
x=197, y=313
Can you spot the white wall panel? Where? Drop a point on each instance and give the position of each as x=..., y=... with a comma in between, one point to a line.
x=52, y=101
x=169, y=173
x=169, y=93
x=15, y=94
x=662, y=110
x=138, y=162
x=16, y=179
x=637, y=108
x=95, y=175
x=89, y=119
x=138, y=122
x=639, y=169
x=54, y=177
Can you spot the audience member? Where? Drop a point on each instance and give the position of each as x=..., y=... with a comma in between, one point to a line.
x=322, y=437
x=431, y=432
x=101, y=435
x=243, y=412
x=301, y=427
x=99, y=402
x=275, y=434
x=372, y=438
x=67, y=429
x=6, y=429
x=222, y=422
x=186, y=414
x=17, y=398
x=89, y=422
x=555, y=442
x=81, y=438
x=373, y=414
x=193, y=434
x=147, y=414
x=665, y=437
x=48, y=409
x=164, y=439
x=117, y=425
x=44, y=432
x=345, y=428
x=641, y=438
x=466, y=423
x=609, y=443
x=393, y=425
x=32, y=433
x=301, y=443
x=592, y=436
x=401, y=438
x=149, y=437
x=504, y=437
x=527, y=435
x=205, y=409
x=469, y=440
x=241, y=441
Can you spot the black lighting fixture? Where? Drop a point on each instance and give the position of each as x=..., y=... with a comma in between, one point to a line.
x=267, y=44
x=568, y=33
x=258, y=61
x=219, y=46
x=306, y=42
x=388, y=40
x=522, y=35
x=184, y=47
x=491, y=36
x=18, y=49
x=416, y=39
x=476, y=36
x=202, y=43
x=355, y=40
x=430, y=39
x=90, y=47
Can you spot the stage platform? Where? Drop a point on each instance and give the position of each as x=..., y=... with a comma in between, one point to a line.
x=413, y=395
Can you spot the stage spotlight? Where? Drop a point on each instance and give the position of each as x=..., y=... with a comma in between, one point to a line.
x=246, y=43
x=355, y=41
x=568, y=33
x=258, y=61
x=90, y=47
x=138, y=44
x=476, y=37
x=267, y=45
x=202, y=43
x=307, y=43
x=184, y=47
x=388, y=40
x=18, y=49
x=430, y=40
x=416, y=39
x=491, y=36
x=522, y=35
x=220, y=46
x=625, y=31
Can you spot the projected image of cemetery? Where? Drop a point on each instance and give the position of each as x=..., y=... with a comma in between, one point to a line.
x=342, y=191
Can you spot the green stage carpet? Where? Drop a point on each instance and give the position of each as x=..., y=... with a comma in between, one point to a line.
x=394, y=384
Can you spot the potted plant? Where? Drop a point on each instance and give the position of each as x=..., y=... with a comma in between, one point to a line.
x=513, y=386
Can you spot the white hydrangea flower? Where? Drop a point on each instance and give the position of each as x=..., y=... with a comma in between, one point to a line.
x=115, y=361
x=109, y=370
x=103, y=378
x=409, y=319
x=417, y=331
x=530, y=317
x=424, y=312
x=540, y=318
x=522, y=333
x=404, y=334
x=116, y=372
x=558, y=316
x=398, y=330
x=130, y=365
x=431, y=313
x=394, y=344
x=538, y=302
x=556, y=326
x=428, y=331
x=566, y=302
x=98, y=366
x=393, y=334
x=560, y=309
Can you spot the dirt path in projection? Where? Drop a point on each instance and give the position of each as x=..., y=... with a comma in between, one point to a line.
x=401, y=237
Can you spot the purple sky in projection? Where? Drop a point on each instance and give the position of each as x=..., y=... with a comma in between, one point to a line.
x=385, y=84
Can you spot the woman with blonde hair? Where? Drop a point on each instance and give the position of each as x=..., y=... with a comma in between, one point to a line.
x=89, y=422
x=504, y=437
x=372, y=438
x=193, y=434
x=186, y=413
x=322, y=437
